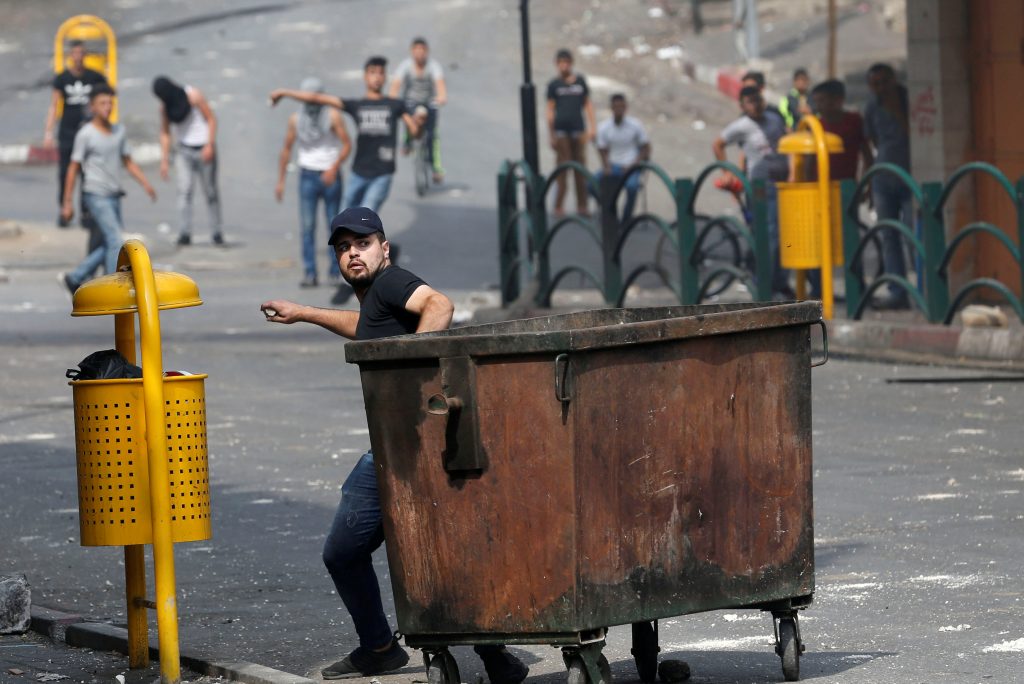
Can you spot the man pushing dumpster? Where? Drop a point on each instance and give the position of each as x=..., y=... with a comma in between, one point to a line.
x=392, y=301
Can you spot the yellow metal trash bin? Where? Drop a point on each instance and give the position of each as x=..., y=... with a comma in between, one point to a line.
x=800, y=225
x=113, y=475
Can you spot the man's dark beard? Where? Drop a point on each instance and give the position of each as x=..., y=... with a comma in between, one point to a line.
x=364, y=279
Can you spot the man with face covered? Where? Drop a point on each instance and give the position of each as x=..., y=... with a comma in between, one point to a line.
x=392, y=301
x=323, y=145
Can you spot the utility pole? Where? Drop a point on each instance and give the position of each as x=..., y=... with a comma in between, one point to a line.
x=527, y=94
x=831, y=38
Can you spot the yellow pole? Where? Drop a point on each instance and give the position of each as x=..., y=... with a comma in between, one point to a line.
x=134, y=554
x=156, y=441
x=824, y=187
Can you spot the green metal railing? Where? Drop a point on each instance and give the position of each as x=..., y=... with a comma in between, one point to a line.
x=932, y=295
x=522, y=214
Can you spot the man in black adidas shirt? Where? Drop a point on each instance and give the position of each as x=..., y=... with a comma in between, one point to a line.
x=73, y=86
x=376, y=118
x=392, y=301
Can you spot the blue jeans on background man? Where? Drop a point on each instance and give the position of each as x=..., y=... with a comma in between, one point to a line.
x=780, y=276
x=367, y=192
x=106, y=212
x=892, y=201
x=311, y=191
x=632, y=187
x=357, y=531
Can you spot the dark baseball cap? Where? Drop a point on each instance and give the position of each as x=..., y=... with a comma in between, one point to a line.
x=358, y=220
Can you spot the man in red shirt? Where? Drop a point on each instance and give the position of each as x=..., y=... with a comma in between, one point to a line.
x=828, y=99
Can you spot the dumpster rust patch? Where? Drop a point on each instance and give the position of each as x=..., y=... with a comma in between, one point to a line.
x=487, y=552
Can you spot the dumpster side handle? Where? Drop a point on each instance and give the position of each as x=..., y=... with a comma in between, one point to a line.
x=562, y=378
x=824, y=343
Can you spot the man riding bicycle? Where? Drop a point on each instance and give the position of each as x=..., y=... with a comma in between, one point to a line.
x=419, y=81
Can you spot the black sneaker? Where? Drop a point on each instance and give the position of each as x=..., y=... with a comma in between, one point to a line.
x=184, y=239
x=218, y=239
x=68, y=283
x=308, y=281
x=363, y=662
x=502, y=667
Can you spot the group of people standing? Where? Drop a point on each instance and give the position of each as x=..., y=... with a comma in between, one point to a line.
x=416, y=92
x=881, y=134
x=94, y=148
x=188, y=134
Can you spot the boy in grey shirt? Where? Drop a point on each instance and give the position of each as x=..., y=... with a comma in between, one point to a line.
x=100, y=149
x=757, y=133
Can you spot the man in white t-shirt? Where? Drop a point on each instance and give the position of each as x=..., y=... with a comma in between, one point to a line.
x=623, y=143
x=419, y=80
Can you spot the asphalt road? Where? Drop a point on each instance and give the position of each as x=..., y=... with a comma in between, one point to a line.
x=918, y=487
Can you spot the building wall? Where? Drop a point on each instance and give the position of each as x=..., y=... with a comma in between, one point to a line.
x=997, y=109
x=965, y=75
x=941, y=125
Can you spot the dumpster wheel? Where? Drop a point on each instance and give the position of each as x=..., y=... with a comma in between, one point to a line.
x=443, y=669
x=645, y=650
x=578, y=670
x=789, y=647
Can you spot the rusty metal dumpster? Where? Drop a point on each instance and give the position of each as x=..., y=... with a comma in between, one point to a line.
x=545, y=479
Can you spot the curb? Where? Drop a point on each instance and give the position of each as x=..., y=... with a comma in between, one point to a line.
x=76, y=630
x=919, y=343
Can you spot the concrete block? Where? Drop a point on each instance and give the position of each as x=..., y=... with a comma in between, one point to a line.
x=15, y=604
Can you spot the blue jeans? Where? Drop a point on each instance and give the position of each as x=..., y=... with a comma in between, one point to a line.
x=357, y=531
x=632, y=187
x=106, y=212
x=367, y=192
x=892, y=201
x=780, y=276
x=312, y=190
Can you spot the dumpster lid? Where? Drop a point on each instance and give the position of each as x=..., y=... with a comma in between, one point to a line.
x=596, y=329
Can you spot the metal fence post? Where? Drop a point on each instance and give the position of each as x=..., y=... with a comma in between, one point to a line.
x=853, y=275
x=686, y=237
x=936, y=287
x=538, y=233
x=508, y=245
x=764, y=268
x=610, y=230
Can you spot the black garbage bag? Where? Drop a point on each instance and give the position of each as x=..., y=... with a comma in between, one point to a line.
x=104, y=365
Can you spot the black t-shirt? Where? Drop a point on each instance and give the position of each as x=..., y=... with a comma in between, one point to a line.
x=382, y=312
x=377, y=126
x=569, y=99
x=75, y=90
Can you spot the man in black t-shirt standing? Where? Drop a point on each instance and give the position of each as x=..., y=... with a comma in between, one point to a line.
x=376, y=118
x=568, y=101
x=392, y=301
x=73, y=87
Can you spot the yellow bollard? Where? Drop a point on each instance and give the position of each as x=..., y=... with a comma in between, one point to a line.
x=110, y=432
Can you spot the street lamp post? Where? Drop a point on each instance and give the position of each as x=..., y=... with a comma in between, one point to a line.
x=527, y=94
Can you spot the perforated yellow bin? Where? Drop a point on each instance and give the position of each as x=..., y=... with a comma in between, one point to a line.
x=800, y=225
x=113, y=471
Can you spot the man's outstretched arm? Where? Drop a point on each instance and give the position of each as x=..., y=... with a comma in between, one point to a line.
x=338, y=321
x=306, y=96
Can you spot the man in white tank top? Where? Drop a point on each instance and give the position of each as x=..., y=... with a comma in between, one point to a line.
x=323, y=145
x=185, y=112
